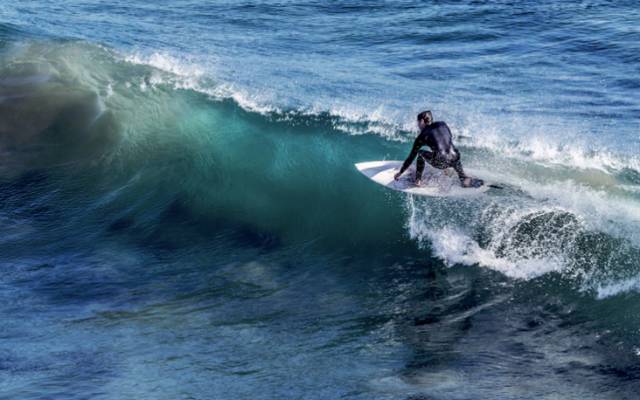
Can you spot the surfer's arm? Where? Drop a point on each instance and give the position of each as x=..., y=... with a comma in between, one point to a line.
x=412, y=156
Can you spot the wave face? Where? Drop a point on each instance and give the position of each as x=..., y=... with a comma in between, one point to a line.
x=182, y=216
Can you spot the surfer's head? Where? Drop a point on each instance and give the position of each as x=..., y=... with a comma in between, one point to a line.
x=425, y=118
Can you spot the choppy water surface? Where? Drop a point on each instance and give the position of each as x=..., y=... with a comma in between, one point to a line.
x=181, y=217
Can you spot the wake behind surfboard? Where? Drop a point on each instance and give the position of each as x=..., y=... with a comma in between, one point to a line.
x=435, y=182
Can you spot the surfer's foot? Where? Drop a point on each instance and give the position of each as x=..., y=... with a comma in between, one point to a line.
x=418, y=182
x=471, y=182
x=466, y=182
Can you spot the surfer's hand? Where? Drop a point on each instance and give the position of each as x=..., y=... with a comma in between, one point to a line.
x=397, y=176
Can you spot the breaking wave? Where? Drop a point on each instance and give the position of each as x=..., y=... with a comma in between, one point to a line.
x=155, y=131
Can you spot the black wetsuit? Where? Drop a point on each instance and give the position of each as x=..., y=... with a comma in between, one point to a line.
x=443, y=154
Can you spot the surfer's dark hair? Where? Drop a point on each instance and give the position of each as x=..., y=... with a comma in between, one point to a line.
x=425, y=115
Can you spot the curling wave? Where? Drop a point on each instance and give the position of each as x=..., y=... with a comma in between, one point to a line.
x=144, y=135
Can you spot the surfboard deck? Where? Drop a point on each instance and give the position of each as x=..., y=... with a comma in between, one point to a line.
x=435, y=182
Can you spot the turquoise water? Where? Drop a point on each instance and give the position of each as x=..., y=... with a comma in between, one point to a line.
x=182, y=219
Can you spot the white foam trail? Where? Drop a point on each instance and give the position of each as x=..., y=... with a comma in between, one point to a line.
x=598, y=209
x=526, y=238
x=455, y=246
x=614, y=289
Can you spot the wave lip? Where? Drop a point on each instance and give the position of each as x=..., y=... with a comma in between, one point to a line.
x=537, y=147
x=185, y=73
x=541, y=149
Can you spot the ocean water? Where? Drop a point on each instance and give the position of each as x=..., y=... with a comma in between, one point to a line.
x=181, y=218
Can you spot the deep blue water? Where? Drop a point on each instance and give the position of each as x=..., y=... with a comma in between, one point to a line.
x=181, y=218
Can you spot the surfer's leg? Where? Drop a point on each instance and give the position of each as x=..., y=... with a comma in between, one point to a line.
x=457, y=166
x=465, y=181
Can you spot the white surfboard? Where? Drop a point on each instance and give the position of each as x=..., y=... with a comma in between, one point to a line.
x=435, y=182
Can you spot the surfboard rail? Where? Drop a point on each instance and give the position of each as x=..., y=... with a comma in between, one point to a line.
x=436, y=182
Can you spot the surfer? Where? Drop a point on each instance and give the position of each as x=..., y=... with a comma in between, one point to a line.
x=443, y=154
